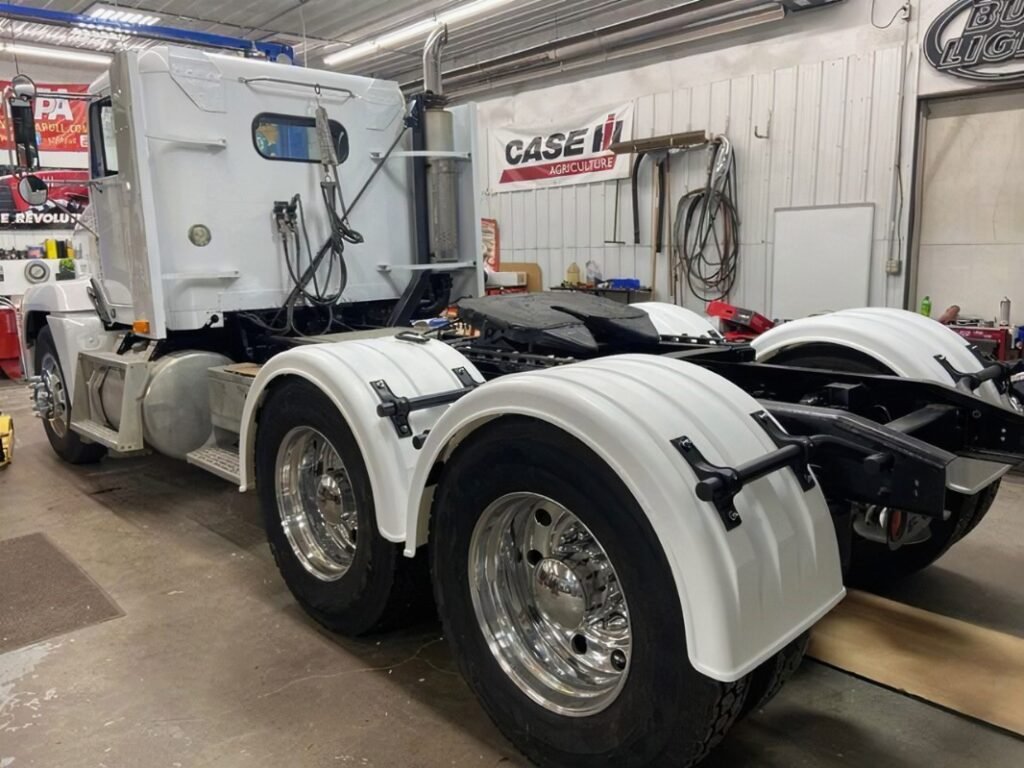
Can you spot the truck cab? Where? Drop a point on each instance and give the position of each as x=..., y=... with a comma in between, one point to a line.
x=190, y=151
x=238, y=203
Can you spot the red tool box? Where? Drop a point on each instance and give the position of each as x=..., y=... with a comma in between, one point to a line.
x=10, y=347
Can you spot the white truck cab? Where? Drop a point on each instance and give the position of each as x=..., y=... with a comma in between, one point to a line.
x=235, y=199
x=190, y=152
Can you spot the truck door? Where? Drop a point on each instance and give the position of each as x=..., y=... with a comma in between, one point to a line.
x=123, y=203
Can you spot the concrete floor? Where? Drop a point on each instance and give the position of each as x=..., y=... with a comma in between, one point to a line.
x=214, y=665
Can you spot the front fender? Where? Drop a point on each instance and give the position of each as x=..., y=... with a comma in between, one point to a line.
x=744, y=594
x=343, y=371
x=63, y=296
x=905, y=342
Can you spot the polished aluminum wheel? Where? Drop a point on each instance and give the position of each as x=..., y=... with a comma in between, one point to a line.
x=50, y=396
x=549, y=604
x=316, y=503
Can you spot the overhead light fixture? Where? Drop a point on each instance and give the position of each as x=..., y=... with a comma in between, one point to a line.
x=55, y=54
x=456, y=15
x=106, y=12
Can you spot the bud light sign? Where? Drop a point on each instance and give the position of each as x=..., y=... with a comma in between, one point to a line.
x=571, y=151
x=981, y=40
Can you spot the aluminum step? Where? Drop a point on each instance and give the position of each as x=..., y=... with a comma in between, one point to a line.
x=222, y=462
x=104, y=435
x=88, y=417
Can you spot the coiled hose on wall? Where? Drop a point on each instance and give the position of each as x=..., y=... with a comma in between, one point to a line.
x=705, y=253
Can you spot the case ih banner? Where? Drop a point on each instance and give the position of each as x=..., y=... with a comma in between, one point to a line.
x=62, y=125
x=573, y=150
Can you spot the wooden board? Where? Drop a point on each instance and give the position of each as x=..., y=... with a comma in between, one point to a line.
x=534, y=279
x=969, y=669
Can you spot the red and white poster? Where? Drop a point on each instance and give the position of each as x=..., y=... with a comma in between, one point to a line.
x=571, y=150
x=62, y=124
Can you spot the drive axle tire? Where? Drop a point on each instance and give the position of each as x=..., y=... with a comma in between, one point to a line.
x=877, y=566
x=559, y=605
x=318, y=511
x=872, y=564
x=767, y=680
x=67, y=444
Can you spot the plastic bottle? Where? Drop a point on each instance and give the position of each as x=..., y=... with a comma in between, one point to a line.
x=572, y=274
x=1004, y=312
x=926, y=306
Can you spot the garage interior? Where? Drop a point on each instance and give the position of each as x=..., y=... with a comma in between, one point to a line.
x=566, y=245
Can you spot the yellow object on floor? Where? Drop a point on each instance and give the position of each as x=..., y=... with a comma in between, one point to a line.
x=6, y=440
x=969, y=669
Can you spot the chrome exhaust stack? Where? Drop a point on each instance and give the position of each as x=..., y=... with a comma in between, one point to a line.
x=442, y=195
x=432, y=60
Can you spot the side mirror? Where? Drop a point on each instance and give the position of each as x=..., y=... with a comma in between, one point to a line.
x=23, y=87
x=19, y=102
x=33, y=191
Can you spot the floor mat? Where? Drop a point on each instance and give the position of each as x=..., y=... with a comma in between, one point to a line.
x=969, y=669
x=43, y=593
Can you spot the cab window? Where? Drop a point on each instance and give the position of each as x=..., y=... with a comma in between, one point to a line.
x=293, y=138
x=102, y=139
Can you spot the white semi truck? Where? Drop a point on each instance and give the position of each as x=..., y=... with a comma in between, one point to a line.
x=627, y=524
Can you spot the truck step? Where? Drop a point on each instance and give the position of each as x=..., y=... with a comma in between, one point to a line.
x=222, y=462
x=104, y=435
x=88, y=418
x=228, y=387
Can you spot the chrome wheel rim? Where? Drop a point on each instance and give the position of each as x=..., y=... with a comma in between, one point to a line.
x=316, y=503
x=549, y=604
x=56, y=409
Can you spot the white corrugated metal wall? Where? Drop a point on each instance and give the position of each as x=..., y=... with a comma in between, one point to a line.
x=833, y=140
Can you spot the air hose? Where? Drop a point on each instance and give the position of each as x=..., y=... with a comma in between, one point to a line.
x=707, y=225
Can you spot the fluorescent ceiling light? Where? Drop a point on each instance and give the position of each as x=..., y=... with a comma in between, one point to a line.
x=417, y=29
x=105, y=12
x=56, y=54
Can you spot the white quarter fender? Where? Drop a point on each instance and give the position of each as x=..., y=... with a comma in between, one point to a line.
x=905, y=342
x=745, y=593
x=673, y=320
x=343, y=371
x=65, y=296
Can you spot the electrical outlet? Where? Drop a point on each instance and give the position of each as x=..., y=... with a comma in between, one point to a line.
x=893, y=267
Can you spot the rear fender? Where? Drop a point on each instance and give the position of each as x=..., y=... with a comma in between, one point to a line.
x=673, y=320
x=343, y=371
x=905, y=342
x=744, y=594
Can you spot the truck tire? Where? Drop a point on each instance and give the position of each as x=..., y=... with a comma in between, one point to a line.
x=767, y=680
x=69, y=445
x=558, y=603
x=873, y=565
x=318, y=511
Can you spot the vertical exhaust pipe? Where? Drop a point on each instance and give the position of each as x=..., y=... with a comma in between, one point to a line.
x=432, y=60
x=442, y=197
